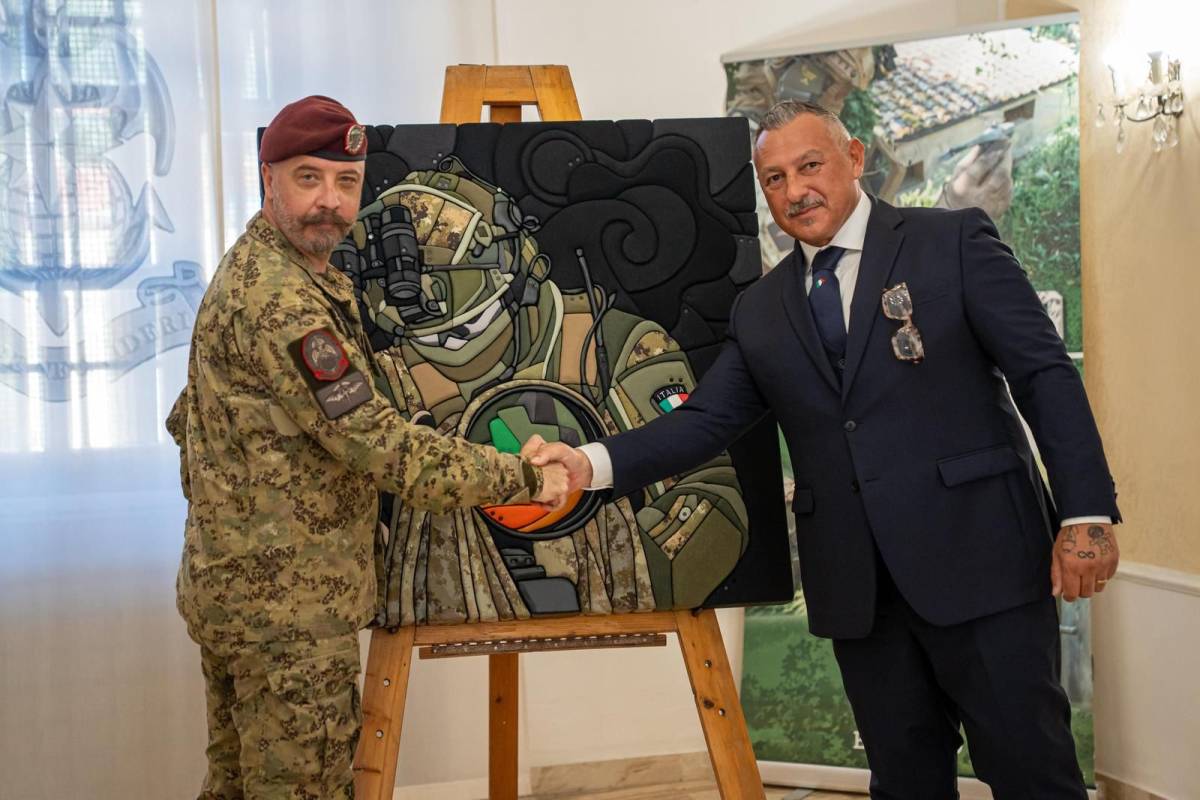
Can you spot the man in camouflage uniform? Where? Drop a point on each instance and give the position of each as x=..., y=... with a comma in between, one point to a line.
x=285, y=436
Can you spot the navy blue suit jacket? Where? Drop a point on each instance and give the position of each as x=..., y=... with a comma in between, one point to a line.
x=927, y=460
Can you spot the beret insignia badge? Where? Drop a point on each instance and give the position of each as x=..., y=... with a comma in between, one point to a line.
x=356, y=140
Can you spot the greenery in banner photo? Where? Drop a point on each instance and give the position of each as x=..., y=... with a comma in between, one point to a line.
x=1042, y=224
x=792, y=693
x=796, y=709
x=860, y=116
x=1067, y=32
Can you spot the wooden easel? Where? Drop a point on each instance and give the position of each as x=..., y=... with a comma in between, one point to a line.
x=505, y=89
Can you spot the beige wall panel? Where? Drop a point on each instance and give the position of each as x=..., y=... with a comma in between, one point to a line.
x=1141, y=289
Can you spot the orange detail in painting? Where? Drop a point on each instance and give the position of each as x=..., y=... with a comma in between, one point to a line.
x=530, y=517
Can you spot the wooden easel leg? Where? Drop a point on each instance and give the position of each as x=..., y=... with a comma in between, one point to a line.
x=718, y=705
x=384, y=691
x=505, y=114
x=503, y=671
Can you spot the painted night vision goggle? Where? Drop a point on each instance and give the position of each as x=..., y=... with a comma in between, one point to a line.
x=440, y=252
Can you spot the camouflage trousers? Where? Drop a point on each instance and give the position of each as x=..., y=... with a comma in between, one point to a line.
x=283, y=719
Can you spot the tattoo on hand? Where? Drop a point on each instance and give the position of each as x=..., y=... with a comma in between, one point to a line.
x=1085, y=554
x=1068, y=540
x=1100, y=539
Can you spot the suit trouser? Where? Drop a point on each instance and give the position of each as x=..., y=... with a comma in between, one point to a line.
x=911, y=684
x=283, y=719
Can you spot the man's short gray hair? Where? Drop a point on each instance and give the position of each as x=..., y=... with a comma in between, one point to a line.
x=785, y=111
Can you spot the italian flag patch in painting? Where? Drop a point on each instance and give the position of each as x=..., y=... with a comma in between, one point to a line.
x=669, y=398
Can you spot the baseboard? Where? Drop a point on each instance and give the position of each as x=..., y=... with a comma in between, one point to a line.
x=472, y=789
x=1156, y=577
x=813, y=776
x=622, y=773
x=587, y=776
x=845, y=779
x=1113, y=789
x=631, y=773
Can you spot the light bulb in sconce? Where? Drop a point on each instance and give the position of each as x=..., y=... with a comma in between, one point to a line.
x=1116, y=77
x=1174, y=88
x=1155, y=95
x=1156, y=66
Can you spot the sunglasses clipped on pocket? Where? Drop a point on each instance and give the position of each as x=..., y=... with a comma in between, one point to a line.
x=906, y=342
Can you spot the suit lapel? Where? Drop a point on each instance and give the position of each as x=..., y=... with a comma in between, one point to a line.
x=880, y=247
x=799, y=313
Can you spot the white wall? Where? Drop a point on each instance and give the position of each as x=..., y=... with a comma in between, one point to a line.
x=1146, y=639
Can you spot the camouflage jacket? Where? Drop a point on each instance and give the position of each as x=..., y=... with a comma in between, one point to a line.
x=284, y=441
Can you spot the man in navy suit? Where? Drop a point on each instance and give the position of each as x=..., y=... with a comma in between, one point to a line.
x=891, y=345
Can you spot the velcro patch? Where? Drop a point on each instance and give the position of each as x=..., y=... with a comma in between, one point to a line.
x=669, y=398
x=345, y=395
x=322, y=363
x=323, y=355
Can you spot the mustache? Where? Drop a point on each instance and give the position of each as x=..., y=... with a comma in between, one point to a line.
x=325, y=218
x=805, y=203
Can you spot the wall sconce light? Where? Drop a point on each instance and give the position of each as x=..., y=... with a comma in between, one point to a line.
x=1158, y=99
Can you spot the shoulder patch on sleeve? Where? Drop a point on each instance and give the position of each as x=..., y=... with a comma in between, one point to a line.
x=323, y=364
x=345, y=395
x=322, y=355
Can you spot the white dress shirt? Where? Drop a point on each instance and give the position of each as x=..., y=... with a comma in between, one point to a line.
x=850, y=236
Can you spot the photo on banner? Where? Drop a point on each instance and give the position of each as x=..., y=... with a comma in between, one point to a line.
x=984, y=119
x=569, y=280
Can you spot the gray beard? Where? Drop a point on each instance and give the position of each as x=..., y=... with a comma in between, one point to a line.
x=318, y=245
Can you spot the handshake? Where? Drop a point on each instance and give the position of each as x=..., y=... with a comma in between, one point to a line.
x=565, y=470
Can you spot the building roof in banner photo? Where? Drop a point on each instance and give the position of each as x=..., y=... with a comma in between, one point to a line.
x=937, y=82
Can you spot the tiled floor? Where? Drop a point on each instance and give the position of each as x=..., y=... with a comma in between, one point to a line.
x=694, y=790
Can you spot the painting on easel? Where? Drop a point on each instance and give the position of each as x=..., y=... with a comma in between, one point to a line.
x=570, y=280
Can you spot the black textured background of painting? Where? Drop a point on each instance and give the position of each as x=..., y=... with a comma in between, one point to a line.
x=664, y=212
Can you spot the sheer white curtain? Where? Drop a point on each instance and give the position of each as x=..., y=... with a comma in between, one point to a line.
x=385, y=61
x=119, y=198
x=107, y=159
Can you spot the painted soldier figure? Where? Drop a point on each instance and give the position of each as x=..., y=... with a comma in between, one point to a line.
x=476, y=338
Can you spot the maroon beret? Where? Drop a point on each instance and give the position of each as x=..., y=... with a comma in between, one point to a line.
x=315, y=126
